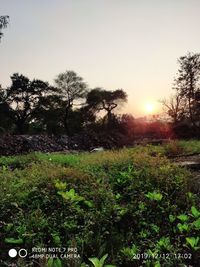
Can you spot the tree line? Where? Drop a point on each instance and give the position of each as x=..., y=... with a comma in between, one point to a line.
x=35, y=106
x=70, y=106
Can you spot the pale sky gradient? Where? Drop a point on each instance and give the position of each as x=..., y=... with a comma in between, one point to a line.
x=129, y=44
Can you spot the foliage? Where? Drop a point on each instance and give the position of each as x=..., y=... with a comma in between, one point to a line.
x=183, y=107
x=99, y=99
x=3, y=24
x=48, y=115
x=125, y=203
x=54, y=262
x=100, y=263
x=71, y=88
x=22, y=98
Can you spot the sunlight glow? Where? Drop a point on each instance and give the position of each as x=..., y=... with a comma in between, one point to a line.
x=149, y=107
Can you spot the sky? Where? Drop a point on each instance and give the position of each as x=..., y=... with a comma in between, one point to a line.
x=128, y=44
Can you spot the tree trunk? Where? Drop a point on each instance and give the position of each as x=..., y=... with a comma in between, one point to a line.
x=190, y=98
x=19, y=127
x=65, y=120
x=109, y=115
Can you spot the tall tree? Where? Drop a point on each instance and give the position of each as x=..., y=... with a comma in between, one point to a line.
x=71, y=88
x=3, y=24
x=23, y=97
x=187, y=84
x=100, y=99
x=175, y=107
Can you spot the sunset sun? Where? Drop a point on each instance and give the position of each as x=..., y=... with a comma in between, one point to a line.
x=149, y=108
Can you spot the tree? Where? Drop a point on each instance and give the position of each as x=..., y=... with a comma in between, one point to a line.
x=175, y=107
x=23, y=97
x=48, y=115
x=127, y=123
x=3, y=24
x=187, y=85
x=6, y=124
x=71, y=88
x=100, y=99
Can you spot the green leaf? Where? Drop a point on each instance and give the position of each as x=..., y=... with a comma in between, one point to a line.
x=89, y=203
x=95, y=262
x=183, y=217
x=164, y=242
x=11, y=240
x=155, y=227
x=71, y=192
x=195, y=212
x=197, y=224
x=193, y=241
x=60, y=186
x=183, y=227
x=56, y=239
x=154, y=196
x=190, y=195
x=57, y=263
x=157, y=264
x=142, y=206
x=102, y=260
x=71, y=195
x=4, y=168
x=172, y=218
x=117, y=196
x=50, y=262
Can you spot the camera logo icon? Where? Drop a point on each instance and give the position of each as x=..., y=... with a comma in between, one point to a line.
x=22, y=253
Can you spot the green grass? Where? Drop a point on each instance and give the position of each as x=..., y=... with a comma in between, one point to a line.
x=123, y=203
x=192, y=146
x=74, y=159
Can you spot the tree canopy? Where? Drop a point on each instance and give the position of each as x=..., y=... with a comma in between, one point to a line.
x=3, y=24
x=23, y=97
x=100, y=99
x=71, y=87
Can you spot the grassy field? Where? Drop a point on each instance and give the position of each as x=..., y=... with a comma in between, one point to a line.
x=133, y=204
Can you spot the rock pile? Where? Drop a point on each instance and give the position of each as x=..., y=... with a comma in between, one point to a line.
x=85, y=141
x=20, y=144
